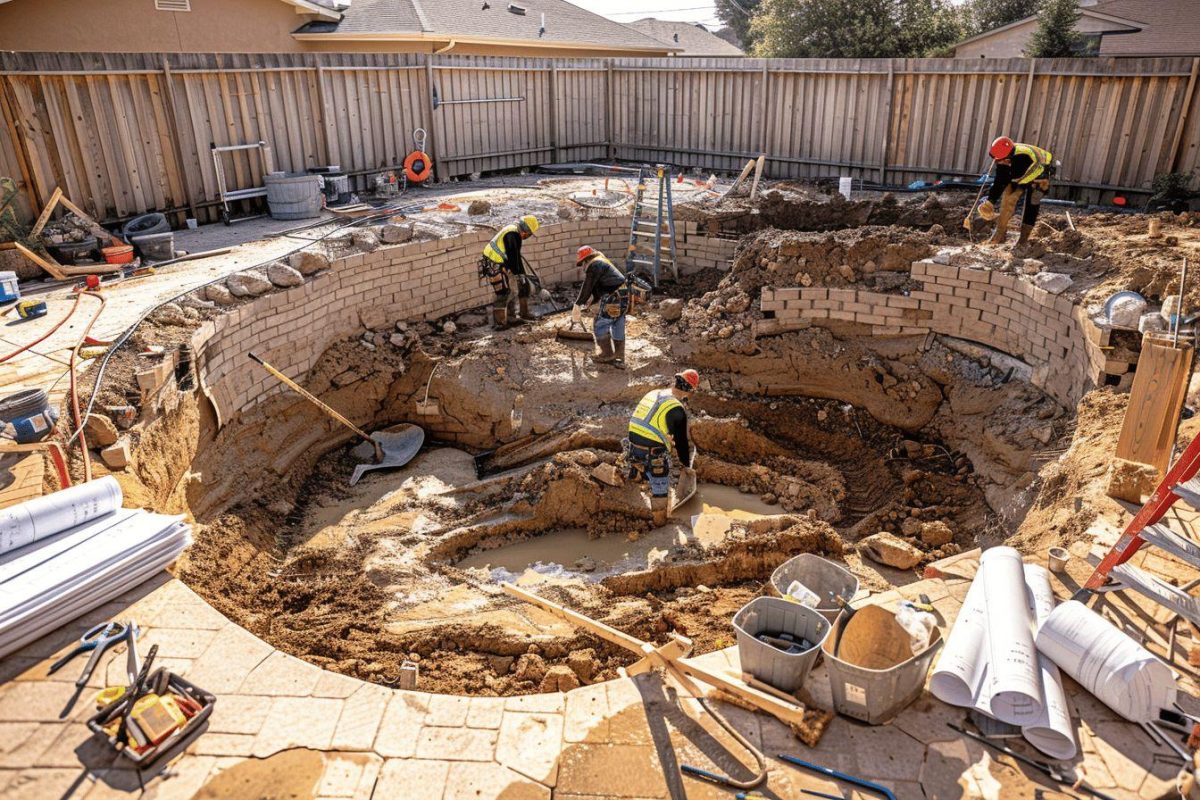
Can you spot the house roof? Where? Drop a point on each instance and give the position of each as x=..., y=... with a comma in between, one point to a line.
x=566, y=25
x=695, y=40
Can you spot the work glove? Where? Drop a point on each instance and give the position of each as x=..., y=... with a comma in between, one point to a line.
x=576, y=314
x=987, y=210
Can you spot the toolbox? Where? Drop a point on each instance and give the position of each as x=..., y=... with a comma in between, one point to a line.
x=148, y=756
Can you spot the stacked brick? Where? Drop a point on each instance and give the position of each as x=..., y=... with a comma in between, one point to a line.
x=414, y=281
x=996, y=309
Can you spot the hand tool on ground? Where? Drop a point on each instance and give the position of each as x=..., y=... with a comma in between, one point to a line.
x=979, y=194
x=132, y=694
x=882, y=791
x=1040, y=766
x=824, y=795
x=97, y=639
x=574, y=333
x=393, y=447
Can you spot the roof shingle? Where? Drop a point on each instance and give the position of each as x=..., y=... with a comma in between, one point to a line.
x=1172, y=28
x=693, y=40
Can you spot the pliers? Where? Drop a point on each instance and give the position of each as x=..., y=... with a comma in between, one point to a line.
x=97, y=640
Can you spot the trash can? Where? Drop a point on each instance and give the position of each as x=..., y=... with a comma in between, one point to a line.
x=293, y=195
x=769, y=664
x=155, y=246
x=872, y=669
x=824, y=578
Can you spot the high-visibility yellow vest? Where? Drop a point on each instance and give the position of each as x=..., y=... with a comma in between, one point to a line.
x=650, y=417
x=1041, y=159
x=495, y=248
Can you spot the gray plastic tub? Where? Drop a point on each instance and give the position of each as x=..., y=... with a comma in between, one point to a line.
x=155, y=246
x=293, y=195
x=784, y=671
x=874, y=674
x=824, y=578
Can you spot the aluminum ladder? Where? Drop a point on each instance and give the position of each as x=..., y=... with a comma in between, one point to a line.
x=1180, y=483
x=652, y=231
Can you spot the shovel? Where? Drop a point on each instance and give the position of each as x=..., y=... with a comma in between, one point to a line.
x=684, y=488
x=392, y=448
x=573, y=334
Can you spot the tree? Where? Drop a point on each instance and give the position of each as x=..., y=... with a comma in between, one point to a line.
x=736, y=15
x=1055, y=36
x=858, y=29
x=987, y=15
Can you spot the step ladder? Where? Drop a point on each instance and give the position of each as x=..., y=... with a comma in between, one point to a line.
x=652, y=231
x=1146, y=528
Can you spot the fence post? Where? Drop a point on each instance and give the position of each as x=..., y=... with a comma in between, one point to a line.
x=887, y=121
x=325, y=138
x=608, y=112
x=1177, y=142
x=765, y=110
x=1028, y=96
x=554, y=108
x=433, y=142
x=176, y=141
x=8, y=109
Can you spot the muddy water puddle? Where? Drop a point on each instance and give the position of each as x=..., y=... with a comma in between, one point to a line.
x=570, y=554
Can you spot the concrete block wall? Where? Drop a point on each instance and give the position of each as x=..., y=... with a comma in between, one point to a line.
x=410, y=282
x=996, y=309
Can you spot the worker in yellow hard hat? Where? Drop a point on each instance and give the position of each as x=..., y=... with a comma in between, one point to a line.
x=1021, y=170
x=658, y=425
x=501, y=264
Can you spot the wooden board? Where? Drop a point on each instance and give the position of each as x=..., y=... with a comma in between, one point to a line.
x=1159, y=387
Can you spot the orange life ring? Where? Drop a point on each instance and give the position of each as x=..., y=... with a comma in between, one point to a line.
x=417, y=166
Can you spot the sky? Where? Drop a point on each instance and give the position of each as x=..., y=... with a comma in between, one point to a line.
x=630, y=10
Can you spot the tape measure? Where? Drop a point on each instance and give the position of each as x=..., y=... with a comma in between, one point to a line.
x=31, y=309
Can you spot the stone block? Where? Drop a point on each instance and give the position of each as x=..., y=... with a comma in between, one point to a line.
x=117, y=455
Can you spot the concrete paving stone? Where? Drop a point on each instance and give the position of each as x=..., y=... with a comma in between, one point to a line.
x=298, y=722
x=401, y=725
x=551, y=703
x=40, y=784
x=335, y=684
x=44, y=701
x=189, y=643
x=22, y=742
x=586, y=717
x=1129, y=755
x=184, y=779
x=530, y=744
x=197, y=613
x=627, y=713
x=619, y=770
x=351, y=775
x=486, y=712
x=941, y=773
x=61, y=640
x=235, y=713
x=457, y=744
x=232, y=655
x=14, y=668
x=404, y=777
x=74, y=746
x=926, y=720
x=361, y=714
x=117, y=669
x=223, y=744
x=490, y=781
x=281, y=675
x=447, y=711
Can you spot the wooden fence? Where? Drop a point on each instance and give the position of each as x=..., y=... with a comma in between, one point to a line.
x=127, y=133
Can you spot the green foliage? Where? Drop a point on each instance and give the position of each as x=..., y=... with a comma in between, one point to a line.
x=1055, y=36
x=858, y=29
x=1173, y=185
x=736, y=15
x=987, y=15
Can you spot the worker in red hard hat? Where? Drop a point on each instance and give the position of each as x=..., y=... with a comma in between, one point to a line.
x=606, y=286
x=658, y=425
x=501, y=264
x=1021, y=169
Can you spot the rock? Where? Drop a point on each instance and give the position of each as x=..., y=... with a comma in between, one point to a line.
x=395, y=233
x=500, y=664
x=1043, y=433
x=738, y=304
x=912, y=449
x=671, y=310
x=169, y=314
x=398, y=340
x=936, y=534
x=365, y=240
x=116, y=456
x=891, y=550
x=911, y=526
x=1053, y=282
x=1151, y=322
x=1029, y=266
x=1127, y=311
x=449, y=327
x=219, y=294
x=584, y=664
x=586, y=564
x=559, y=679
x=280, y=508
x=607, y=473
x=196, y=301
x=1129, y=480
x=804, y=279
x=100, y=430
x=847, y=273
x=586, y=458
x=479, y=207
x=284, y=276
x=247, y=284
x=530, y=668
x=308, y=262
x=471, y=320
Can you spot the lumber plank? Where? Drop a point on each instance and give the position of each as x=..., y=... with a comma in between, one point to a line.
x=1155, y=400
x=52, y=269
x=44, y=217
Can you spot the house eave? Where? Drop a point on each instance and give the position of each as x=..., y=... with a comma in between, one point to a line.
x=442, y=39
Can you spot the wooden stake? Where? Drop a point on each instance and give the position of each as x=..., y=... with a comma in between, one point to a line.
x=44, y=217
x=758, y=170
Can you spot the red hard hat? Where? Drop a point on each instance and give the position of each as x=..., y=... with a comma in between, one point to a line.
x=688, y=380
x=584, y=252
x=1002, y=148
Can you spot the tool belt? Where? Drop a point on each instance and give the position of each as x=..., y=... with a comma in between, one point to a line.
x=488, y=269
x=615, y=303
x=640, y=459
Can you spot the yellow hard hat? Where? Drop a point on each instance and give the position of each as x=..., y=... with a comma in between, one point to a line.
x=530, y=223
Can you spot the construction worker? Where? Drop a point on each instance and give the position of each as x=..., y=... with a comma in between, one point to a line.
x=659, y=423
x=501, y=264
x=1020, y=169
x=605, y=285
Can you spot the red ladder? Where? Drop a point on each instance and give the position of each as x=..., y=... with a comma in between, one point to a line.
x=1173, y=487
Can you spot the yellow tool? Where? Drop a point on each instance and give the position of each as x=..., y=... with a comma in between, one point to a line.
x=108, y=696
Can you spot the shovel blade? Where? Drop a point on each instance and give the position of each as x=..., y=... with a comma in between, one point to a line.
x=400, y=445
x=682, y=492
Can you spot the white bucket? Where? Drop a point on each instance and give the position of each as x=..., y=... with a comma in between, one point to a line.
x=844, y=186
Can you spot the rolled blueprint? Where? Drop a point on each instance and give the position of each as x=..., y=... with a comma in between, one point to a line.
x=1121, y=673
x=1013, y=692
x=44, y=516
x=958, y=676
x=1048, y=729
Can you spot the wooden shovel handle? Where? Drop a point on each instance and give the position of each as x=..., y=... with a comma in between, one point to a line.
x=307, y=395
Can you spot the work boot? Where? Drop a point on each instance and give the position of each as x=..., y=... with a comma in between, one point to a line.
x=619, y=353
x=606, y=355
x=1026, y=230
x=499, y=318
x=525, y=313
x=658, y=507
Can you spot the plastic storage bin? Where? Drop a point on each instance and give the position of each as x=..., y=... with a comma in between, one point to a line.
x=873, y=671
x=784, y=671
x=826, y=579
x=9, y=292
x=155, y=246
